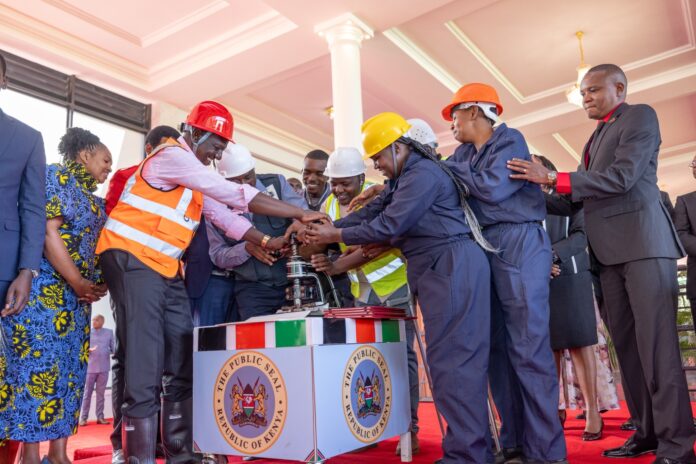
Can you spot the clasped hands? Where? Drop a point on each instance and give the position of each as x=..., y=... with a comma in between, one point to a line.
x=277, y=247
x=88, y=291
x=317, y=232
x=322, y=263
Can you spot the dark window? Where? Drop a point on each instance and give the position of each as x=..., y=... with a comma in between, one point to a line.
x=41, y=82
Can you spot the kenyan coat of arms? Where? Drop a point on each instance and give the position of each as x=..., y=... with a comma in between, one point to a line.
x=250, y=402
x=367, y=393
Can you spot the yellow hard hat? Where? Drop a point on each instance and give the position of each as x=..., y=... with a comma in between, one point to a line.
x=382, y=130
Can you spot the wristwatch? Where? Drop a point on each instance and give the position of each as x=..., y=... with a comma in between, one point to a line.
x=264, y=242
x=552, y=177
x=34, y=272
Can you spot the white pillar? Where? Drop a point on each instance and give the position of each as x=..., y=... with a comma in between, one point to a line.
x=344, y=36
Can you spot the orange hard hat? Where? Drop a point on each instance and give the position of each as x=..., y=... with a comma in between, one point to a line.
x=212, y=117
x=473, y=93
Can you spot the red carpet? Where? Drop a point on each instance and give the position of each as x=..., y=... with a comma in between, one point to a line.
x=91, y=444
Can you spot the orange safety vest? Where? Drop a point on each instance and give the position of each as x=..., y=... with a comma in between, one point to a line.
x=153, y=225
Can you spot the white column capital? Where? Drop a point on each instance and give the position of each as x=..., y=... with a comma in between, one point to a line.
x=344, y=35
x=344, y=28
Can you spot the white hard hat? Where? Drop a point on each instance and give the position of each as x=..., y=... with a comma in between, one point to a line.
x=345, y=162
x=490, y=110
x=236, y=160
x=421, y=131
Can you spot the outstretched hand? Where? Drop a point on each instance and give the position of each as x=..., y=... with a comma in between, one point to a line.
x=311, y=216
x=365, y=197
x=374, y=250
x=528, y=171
x=276, y=243
x=323, y=233
x=322, y=263
x=295, y=228
x=260, y=253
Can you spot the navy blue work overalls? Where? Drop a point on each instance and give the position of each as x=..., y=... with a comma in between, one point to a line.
x=449, y=273
x=522, y=370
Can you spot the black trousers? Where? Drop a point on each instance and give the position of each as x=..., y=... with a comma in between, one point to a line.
x=117, y=383
x=154, y=333
x=641, y=304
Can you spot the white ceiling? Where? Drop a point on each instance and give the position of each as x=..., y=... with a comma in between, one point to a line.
x=263, y=59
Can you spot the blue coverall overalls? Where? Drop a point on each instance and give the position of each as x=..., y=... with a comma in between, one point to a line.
x=448, y=272
x=522, y=371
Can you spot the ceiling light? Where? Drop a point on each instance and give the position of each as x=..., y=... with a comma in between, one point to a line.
x=573, y=93
x=329, y=110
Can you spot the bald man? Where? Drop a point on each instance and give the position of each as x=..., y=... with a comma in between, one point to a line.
x=101, y=347
x=635, y=246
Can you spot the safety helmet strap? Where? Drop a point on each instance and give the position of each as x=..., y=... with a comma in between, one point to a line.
x=201, y=140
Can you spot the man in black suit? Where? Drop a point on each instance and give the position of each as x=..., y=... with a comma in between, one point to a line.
x=685, y=222
x=635, y=247
x=22, y=217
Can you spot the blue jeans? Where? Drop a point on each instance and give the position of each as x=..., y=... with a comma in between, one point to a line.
x=217, y=304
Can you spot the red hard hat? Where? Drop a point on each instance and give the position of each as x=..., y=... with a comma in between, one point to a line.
x=470, y=93
x=212, y=117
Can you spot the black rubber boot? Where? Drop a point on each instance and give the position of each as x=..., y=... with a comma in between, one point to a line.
x=139, y=436
x=177, y=432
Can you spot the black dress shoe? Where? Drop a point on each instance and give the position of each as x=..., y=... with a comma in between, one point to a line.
x=628, y=426
x=630, y=449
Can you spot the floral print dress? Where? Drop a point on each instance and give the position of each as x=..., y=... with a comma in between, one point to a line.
x=607, y=398
x=43, y=368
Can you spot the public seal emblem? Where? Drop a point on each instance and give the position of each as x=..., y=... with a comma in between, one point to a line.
x=250, y=402
x=367, y=393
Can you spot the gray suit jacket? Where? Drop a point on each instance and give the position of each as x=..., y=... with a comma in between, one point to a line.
x=22, y=197
x=624, y=217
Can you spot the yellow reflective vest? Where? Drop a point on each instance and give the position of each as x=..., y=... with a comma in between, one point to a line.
x=385, y=274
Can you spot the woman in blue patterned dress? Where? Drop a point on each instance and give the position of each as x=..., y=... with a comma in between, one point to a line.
x=43, y=369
